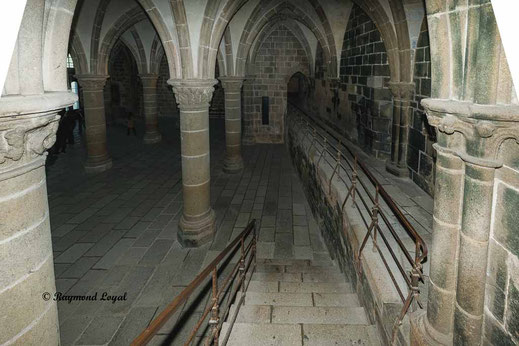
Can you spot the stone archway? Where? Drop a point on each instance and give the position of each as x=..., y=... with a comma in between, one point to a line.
x=298, y=88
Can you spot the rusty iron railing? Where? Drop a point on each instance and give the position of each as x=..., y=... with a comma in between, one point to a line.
x=366, y=195
x=226, y=290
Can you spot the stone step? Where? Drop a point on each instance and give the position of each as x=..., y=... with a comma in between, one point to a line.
x=339, y=334
x=301, y=299
x=276, y=268
x=318, y=287
x=300, y=277
x=296, y=262
x=256, y=334
x=251, y=313
x=286, y=277
x=319, y=315
x=300, y=287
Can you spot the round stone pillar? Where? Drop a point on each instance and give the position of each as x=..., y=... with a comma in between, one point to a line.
x=402, y=94
x=248, y=124
x=232, y=86
x=197, y=223
x=28, y=126
x=473, y=252
x=149, y=89
x=98, y=159
x=435, y=328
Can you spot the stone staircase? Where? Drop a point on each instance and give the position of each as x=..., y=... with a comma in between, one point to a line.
x=300, y=302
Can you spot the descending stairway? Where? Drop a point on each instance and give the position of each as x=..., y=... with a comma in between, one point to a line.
x=300, y=302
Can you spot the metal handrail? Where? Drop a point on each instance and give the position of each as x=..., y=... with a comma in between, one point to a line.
x=332, y=152
x=247, y=260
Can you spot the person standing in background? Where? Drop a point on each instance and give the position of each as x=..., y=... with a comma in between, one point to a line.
x=131, y=124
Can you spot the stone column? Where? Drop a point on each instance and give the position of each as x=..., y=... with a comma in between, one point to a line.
x=438, y=323
x=402, y=94
x=248, y=94
x=232, y=87
x=28, y=126
x=475, y=231
x=197, y=223
x=98, y=159
x=149, y=90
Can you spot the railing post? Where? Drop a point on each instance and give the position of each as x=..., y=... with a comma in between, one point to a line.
x=242, y=266
x=337, y=167
x=322, y=152
x=354, y=180
x=215, y=318
x=374, y=219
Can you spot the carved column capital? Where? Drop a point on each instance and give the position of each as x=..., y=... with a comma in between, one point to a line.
x=483, y=127
x=26, y=133
x=193, y=94
x=91, y=82
x=149, y=79
x=232, y=83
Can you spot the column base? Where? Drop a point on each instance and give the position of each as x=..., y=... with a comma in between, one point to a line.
x=233, y=165
x=421, y=335
x=98, y=166
x=194, y=233
x=402, y=172
x=152, y=137
x=247, y=141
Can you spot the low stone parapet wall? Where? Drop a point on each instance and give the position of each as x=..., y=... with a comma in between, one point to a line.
x=344, y=230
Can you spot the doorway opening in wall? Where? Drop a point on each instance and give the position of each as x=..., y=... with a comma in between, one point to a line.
x=297, y=89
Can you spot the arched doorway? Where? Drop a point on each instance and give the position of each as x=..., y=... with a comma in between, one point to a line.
x=298, y=89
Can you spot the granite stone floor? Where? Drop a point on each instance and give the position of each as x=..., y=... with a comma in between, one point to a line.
x=115, y=232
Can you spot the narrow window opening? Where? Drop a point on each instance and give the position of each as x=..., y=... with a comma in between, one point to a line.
x=265, y=110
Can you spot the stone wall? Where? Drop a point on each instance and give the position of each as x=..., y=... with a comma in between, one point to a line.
x=359, y=105
x=420, y=154
x=502, y=286
x=277, y=59
x=167, y=105
x=364, y=73
x=124, y=87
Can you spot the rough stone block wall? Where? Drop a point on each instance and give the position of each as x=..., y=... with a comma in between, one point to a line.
x=502, y=287
x=166, y=103
x=278, y=58
x=124, y=87
x=420, y=154
x=217, y=106
x=364, y=73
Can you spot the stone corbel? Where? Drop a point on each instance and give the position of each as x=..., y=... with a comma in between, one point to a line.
x=402, y=90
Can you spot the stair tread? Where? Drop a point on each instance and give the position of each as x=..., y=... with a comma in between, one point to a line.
x=320, y=287
x=257, y=334
x=279, y=268
x=302, y=299
x=339, y=334
x=299, y=277
x=296, y=262
x=319, y=315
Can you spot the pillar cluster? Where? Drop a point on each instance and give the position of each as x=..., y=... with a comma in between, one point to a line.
x=469, y=142
x=197, y=223
x=402, y=96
